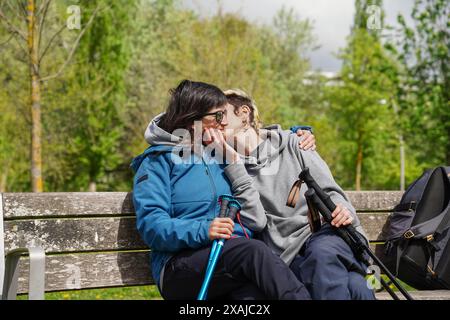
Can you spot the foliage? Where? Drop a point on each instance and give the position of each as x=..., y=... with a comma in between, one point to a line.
x=424, y=92
x=362, y=110
x=95, y=113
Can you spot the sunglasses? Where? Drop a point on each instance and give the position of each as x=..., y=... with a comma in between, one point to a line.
x=218, y=116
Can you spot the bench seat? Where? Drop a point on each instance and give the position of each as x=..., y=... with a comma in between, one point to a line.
x=90, y=239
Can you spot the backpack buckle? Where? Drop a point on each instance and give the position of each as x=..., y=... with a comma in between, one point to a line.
x=408, y=234
x=412, y=206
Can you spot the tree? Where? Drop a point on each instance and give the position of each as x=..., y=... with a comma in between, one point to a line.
x=103, y=57
x=227, y=50
x=97, y=107
x=287, y=43
x=361, y=104
x=34, y=14
x=424, y=93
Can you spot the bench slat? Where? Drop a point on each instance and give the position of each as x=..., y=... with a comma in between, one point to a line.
x=374, y=200
x=76, y=234
x=93, y=270
x=67, y=204
x=115, y=233
x=373, y=224
x=120, y=203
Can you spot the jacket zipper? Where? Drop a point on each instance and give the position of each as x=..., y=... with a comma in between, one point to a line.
x=208, y=173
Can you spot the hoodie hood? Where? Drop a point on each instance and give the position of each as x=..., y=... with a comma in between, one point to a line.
x=275, y=140
x=154, y=135
x=159, y=139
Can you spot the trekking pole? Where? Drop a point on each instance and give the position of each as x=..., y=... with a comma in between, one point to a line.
x=326, y=206
x=223, y=200
x=312, y=197
x=229, y=208
x=361, y=246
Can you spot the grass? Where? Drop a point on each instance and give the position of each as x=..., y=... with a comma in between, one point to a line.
x=130, y=293
x=124, y=293
x=392, y=286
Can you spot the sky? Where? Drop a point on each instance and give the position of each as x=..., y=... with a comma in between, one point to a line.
x=332, y=20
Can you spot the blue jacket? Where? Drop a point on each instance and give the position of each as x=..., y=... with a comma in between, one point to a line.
x=176, y=202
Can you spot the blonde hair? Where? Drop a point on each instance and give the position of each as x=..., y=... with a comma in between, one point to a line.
x=238, y=98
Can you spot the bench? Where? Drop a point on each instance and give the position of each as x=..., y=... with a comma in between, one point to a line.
x=90, y=240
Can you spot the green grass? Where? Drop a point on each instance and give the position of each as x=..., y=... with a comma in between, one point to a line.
x=394, y=288
x=124, y=293
x=129, y=293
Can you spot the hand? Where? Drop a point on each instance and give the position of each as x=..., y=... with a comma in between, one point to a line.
x=308, y=141
x=221, y=228
x=216, y=137
x=341, y=216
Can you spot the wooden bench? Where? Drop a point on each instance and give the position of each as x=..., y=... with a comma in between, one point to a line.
x=90, y=239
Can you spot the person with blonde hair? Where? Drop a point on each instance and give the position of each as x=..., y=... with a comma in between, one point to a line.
x=239, y=99
x=254, y=118
x=269, y=161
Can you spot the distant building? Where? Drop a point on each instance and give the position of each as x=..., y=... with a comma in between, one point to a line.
x=330, y=78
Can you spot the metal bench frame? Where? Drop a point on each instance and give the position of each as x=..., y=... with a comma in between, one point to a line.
x=9, y=271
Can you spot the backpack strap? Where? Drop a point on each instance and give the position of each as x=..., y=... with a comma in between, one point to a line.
x=400, y=249
x=447, y=170
x=408, y=206
x=445, y=223
x=429, y=227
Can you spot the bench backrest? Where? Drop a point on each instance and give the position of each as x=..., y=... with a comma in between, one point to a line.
x=91, y=239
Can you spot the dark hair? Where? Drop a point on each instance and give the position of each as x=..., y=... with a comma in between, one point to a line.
x=189, y=102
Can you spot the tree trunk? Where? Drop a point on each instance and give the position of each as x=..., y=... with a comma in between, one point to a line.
x=36, y=130
x=447, y=157
x=359, y=160
x=402, y=150
x=3, y=179
x=402, y=163
x=92, y=186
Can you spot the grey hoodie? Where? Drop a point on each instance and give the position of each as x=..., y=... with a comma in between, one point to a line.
x=263, y=184
x=154, y=135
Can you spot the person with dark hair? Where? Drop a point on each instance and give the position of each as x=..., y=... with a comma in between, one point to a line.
x=175, y=195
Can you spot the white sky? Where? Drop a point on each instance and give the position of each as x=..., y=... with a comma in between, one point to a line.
x=332, y=19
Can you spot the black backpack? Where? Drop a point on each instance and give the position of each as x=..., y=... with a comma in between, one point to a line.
x=417, y=249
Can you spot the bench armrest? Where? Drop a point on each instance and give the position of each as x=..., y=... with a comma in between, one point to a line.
x=36, y=283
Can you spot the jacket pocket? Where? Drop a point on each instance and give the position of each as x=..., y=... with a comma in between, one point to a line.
x=193, y=210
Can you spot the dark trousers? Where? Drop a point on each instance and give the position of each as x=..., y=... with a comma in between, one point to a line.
x=246, y=270
x=329, y=269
